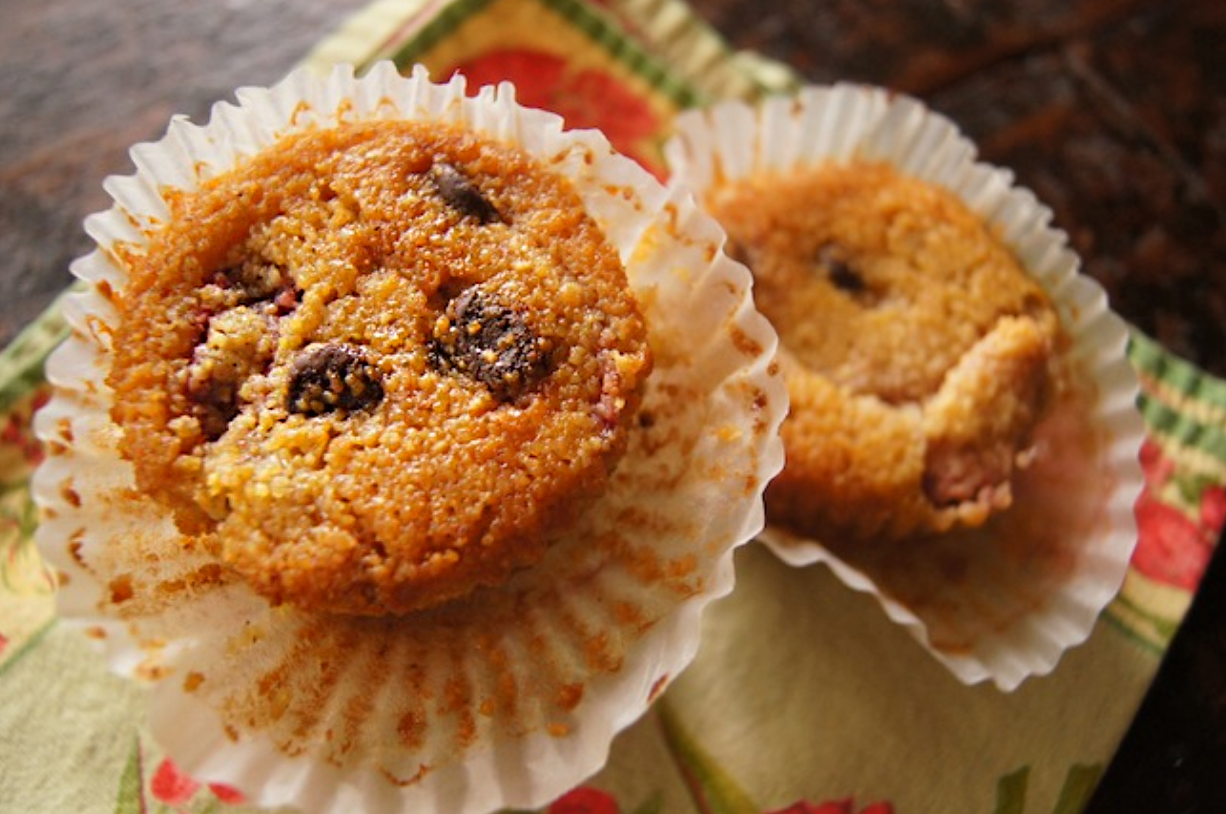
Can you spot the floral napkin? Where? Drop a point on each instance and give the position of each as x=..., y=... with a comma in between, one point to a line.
x=804, y=698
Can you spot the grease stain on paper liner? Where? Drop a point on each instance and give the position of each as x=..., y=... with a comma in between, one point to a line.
x=971, y=584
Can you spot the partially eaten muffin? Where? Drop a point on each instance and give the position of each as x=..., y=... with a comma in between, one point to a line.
x=918, y=353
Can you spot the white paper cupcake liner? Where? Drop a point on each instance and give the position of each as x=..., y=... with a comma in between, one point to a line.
x=1005, y=601
x=503, y=702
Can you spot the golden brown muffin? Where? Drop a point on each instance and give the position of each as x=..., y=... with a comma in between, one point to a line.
x=378, y=365
x=916, y=350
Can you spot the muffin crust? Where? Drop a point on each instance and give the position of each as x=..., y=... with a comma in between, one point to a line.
x=917, y=352
x=378, y=366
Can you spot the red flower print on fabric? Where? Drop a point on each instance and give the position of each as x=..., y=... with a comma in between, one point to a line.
x=18, y=428
x=1157, y=467
x=1213, y=509
x=585, y=800
x=1170, y=548
x=585, y=98
x=227, y=794
x=1174, y=547
x=173, y=787
x=834, y=807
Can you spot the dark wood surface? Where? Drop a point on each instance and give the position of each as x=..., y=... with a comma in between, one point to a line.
x=1113, y=111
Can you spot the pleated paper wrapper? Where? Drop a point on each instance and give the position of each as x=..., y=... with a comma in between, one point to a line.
x=1004, y=601
x=508, y=701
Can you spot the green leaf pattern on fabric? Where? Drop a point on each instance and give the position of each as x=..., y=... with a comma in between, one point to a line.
x=713, y=789
x=1011, y=792
x=1078, y=787
x=22, y=572
x=130, y=798
x=1075, y=793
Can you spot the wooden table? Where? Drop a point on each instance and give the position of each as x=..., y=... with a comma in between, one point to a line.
x=1040, y=84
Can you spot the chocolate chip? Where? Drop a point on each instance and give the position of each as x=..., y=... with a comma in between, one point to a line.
x=255, y=282
x=462, y=194
x=840, y=272
x=333, y=377
x=846, y=278
x=492, y=344
x=215, y=404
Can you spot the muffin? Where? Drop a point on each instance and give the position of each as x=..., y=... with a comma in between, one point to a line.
x=963, y=438
x=400, y=442
x=393, y=374
x=916, y=350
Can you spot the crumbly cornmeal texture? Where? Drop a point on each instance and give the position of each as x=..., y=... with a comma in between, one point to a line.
x=917, y=352
x=377, y=366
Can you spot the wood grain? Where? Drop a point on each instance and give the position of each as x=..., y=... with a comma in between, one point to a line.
x=80, y=82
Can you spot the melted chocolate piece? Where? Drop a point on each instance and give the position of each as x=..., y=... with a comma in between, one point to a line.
x=261, y=283
x=253, y=282
x=462, y=195
x=492, y=344
x=215, y=404
x=841, y=273
x=333, y=377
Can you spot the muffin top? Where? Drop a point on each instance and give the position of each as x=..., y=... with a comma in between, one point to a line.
x=915, y=347
x=878, y=281
x=377, y=366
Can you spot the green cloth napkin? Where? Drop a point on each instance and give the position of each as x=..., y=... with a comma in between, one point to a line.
x=804, y=697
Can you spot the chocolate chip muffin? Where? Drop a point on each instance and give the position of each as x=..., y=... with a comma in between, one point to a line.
x=917, y=352
x=377, y=365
